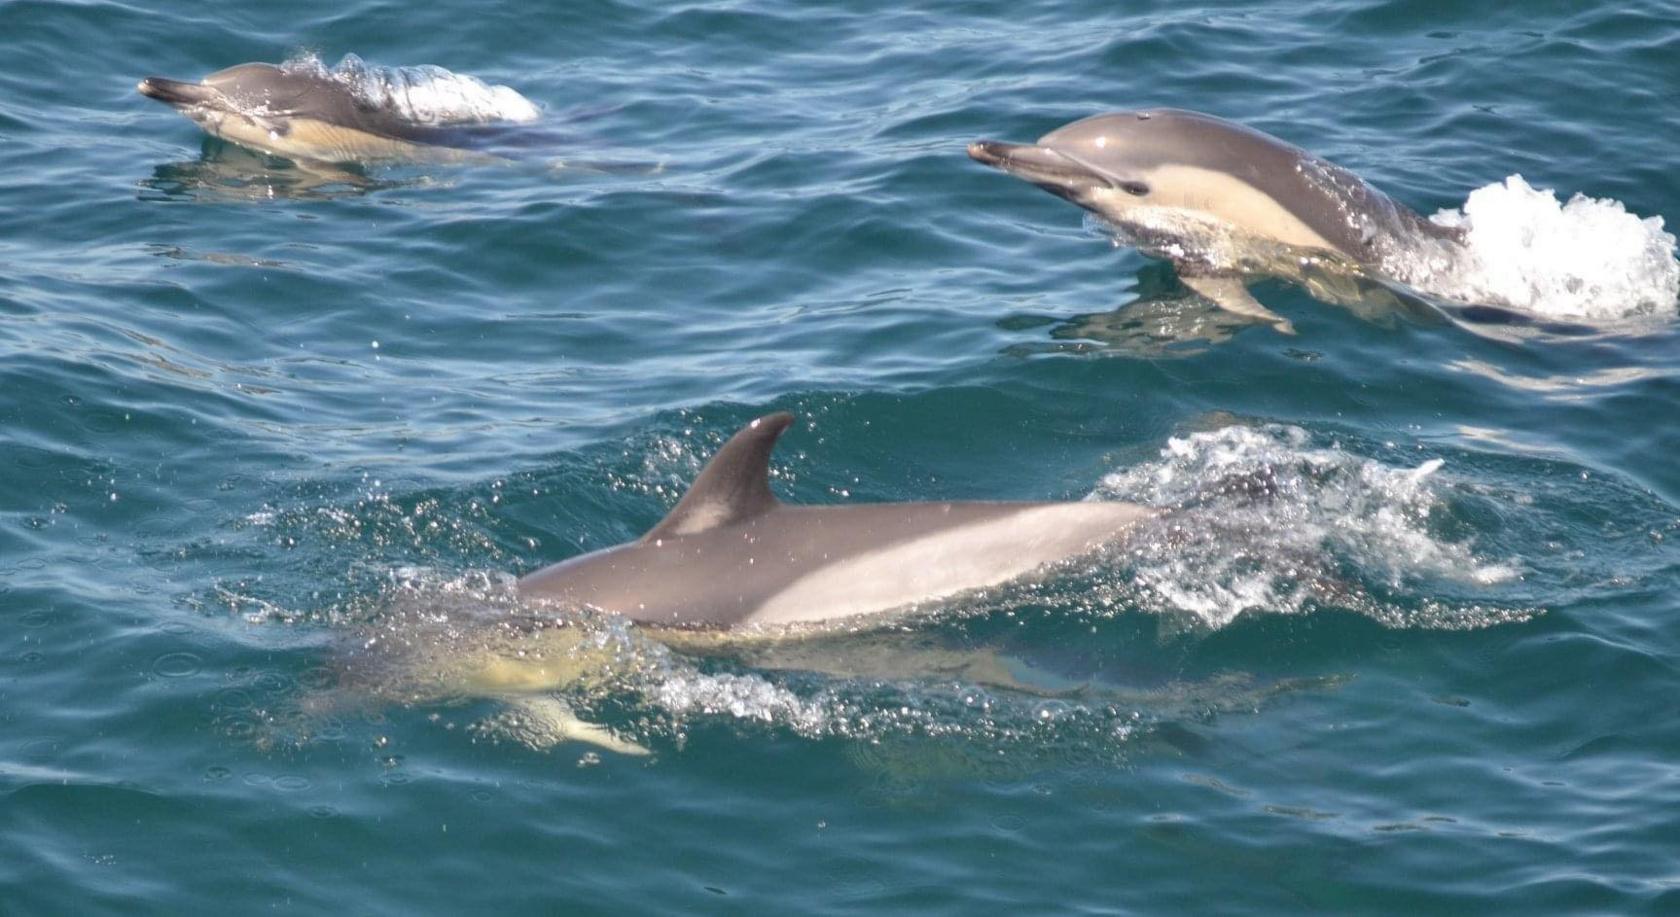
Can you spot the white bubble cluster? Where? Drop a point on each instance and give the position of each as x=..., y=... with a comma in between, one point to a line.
x=1265, y=520
x=426, y=94
x=1585, y=258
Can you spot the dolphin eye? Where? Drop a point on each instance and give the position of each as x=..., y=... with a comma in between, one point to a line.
x=1134, y=188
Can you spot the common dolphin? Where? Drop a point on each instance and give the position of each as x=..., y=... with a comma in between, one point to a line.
x=303, y=111
x=731, y=566
x=730, y=554
x=1223, y=202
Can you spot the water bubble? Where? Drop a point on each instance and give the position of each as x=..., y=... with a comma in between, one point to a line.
x=176, y=665
x=273, y=682
x=1009, y=823
x=232, y=699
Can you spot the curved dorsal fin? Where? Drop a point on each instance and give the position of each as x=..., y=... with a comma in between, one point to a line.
x=733, y=487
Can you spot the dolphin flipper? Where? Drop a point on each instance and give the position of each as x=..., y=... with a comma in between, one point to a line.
x=1231, y=294
x=545, y=721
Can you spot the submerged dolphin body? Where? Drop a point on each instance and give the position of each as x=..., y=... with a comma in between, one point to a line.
x=305, y=112
x=731, y=554
x=1223, y=203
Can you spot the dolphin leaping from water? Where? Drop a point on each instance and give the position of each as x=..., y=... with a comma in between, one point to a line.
x=1223, y=203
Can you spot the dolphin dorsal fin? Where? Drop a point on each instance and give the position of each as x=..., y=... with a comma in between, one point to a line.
x=733, y=487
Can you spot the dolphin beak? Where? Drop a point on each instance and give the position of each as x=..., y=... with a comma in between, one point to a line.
x=1040, y=165
x=992, y=152
x=175, y=92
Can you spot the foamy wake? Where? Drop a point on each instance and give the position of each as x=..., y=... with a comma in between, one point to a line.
x=1264, y=520
x=426, y=94
x=1586, y=258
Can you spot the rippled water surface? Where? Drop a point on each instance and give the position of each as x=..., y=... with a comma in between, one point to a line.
x=269, y=434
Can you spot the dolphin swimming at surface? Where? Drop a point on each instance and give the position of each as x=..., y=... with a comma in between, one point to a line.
x=733, y=566
x=1224, y=203
x=303, y=111
x=731, y=555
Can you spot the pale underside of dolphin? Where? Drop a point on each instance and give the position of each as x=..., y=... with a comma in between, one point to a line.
x=1224, y=203
x=733, y=565
x=309, y=115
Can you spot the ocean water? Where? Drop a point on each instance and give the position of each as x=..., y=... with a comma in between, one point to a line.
x=1408, y=646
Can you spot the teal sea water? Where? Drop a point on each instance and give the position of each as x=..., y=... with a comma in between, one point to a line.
x=1412, y=647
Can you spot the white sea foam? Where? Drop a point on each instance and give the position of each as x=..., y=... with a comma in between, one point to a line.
x=742, y=697
x=426, y=94
x=1265, y=520
x=1586, y=258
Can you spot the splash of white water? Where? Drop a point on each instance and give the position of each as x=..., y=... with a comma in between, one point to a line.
x=1262, y=518
x=425, y=94
x=1586, y=258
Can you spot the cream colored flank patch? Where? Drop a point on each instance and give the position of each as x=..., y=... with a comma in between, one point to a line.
x=1222, y=196
x=311, y=139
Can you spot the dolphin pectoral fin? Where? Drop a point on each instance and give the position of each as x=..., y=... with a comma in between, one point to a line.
x=322, y=172
x=1231, y=294
x=545, y=721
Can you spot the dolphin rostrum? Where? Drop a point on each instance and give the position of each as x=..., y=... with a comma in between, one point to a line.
x=731, y=554
x=1223, y=202
x=305, y=112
